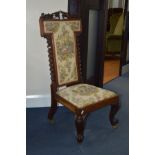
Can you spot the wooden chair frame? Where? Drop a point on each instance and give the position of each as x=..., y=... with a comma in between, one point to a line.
x=80, y=113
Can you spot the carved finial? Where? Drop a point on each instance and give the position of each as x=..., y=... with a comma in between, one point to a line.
x=60, y=15
x=54, y=16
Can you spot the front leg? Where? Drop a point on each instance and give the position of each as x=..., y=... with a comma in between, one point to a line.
x=114, y=109
x=79, y=123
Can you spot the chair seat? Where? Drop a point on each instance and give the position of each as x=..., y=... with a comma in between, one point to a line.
x=82, y=95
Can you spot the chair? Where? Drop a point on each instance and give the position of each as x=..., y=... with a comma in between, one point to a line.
x=62, y=34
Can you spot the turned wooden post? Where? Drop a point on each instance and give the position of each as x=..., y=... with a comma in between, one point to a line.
x=79, y=123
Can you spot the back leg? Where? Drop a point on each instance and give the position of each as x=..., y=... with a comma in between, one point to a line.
x=53, y=107
x=114, y=109
x=51, y=112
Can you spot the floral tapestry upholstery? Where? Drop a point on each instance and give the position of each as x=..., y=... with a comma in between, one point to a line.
x=82, y=95
x=63, y=33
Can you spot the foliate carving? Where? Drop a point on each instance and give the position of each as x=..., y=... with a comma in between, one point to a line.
x=79, y=118
x=56, y=15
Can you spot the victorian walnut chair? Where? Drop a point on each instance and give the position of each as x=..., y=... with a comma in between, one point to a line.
x=62, y=33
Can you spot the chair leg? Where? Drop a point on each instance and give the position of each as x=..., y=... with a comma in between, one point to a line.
x=114, y=109
x=52, y=109
x=79, y=123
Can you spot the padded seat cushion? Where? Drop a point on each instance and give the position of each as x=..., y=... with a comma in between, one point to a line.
x=82, y=95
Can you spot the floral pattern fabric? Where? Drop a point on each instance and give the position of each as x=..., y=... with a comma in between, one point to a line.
x=82, y=95
x=64, y=48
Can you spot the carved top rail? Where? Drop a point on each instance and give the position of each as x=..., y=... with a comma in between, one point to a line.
x=56, y=15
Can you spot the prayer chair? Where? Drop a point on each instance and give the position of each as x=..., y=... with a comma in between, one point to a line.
x=62, y=33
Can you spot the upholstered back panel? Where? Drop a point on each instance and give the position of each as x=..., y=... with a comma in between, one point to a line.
x=64, y=48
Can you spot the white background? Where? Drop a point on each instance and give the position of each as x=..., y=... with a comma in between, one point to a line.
x=37, y=66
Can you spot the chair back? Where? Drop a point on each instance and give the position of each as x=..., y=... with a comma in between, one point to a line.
x=61, y=33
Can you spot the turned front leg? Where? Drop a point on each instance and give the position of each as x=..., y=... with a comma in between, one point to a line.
x=79, y=123
x=114, y=109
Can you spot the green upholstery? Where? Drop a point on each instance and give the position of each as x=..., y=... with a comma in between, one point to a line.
x=82, y=95
x=64, y=48
x=114, y=36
